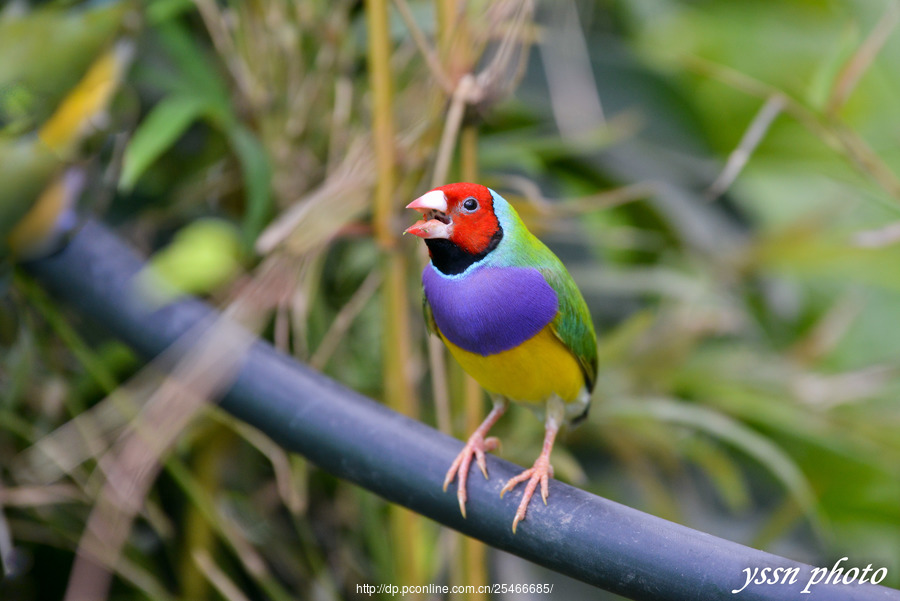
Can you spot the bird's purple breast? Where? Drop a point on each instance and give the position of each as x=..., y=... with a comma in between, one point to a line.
x=490, y=309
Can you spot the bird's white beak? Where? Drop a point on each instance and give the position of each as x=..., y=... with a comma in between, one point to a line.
x=435, y=223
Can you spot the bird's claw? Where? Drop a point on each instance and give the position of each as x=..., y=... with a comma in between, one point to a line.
x=475, y=447
x=540, y=473
x=491, y=443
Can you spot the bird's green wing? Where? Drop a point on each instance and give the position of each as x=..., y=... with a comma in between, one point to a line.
x=429, y=317
x=573, y=324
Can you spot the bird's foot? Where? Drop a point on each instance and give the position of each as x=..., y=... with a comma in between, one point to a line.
x=541, y=472
x=475, y=447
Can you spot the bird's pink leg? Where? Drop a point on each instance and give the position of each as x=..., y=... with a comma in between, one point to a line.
x=475, y=446
x=541, y=471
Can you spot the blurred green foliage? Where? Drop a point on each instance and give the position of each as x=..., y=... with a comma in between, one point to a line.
x=749, y=357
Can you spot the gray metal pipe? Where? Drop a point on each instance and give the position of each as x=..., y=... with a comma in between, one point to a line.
x=353, y=437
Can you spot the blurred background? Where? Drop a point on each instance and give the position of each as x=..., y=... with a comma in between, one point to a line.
x=721, y=178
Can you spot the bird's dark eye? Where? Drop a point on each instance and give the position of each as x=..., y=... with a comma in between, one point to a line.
x=470, y=204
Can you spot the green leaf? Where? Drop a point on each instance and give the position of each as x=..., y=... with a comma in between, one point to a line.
x=26, y=167
x=197, y=75
x=165, y=124
x=159, y=11
x=45, y=52
x=722, y=427
x=257, y=177
x=722, y=471
x=202, y=256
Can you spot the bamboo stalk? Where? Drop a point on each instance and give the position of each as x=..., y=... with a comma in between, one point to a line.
x=198, y=531
x=379, y=52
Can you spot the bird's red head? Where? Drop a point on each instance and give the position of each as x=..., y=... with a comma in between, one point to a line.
x=461, y=213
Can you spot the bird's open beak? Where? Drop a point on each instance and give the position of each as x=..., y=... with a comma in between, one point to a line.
x=435, y=222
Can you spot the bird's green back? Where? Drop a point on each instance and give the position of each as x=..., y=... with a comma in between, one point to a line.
x=573, y=324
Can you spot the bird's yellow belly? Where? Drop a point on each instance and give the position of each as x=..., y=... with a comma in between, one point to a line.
x=531, y=372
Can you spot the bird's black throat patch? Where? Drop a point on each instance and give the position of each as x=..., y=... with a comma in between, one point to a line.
x=450, y=259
